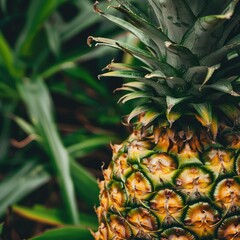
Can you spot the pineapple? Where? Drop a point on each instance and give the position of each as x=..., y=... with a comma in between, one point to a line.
x=177, y=176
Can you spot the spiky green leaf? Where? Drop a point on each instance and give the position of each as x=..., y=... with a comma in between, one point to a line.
x=204, y=113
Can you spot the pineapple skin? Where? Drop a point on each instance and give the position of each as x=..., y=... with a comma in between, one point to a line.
x=168, y=184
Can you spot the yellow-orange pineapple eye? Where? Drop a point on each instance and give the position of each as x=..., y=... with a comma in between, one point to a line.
x=159, y=167
x=160, y=163
x=194, y=181
x=176, y=233
x=138, y=149
x=227, y=194
x=121, y=166
x=201, y=218
x=176, y=237
x=166, y=204
x=219, y=161
x=117, y=195
x=138, y=186
x=119, y=228
x=230, y=229
x=142, y=220
x=102, y=233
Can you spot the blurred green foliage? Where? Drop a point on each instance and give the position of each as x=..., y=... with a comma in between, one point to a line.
x=54, y=112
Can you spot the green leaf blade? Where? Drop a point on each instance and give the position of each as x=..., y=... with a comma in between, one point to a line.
x=70, y=233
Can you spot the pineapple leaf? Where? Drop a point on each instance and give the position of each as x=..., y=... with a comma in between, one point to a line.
x=154, y=33
x=157, y=14
x=228, y=27
x=234, y=40
x=204, y=35
x=214, y=127
x=172, y=116
x=180, y=57
x=176, y=16
x=132, y=8
x=150, y=61
x=161, y=90
x=144, y=56
x=156, y=74
x=125, y=89
x=223, y=85
x=204, y=115
x=122, y=66
x=231, y=111
x=196, y=5
x=216, y=56
x=216, y=6
x=198, y=73
x=117, y=44
x=130, y=27
x=177, y=84
x=137, y=111
x=136, y=85
x=139, y=53
x=209, y=74
x=123, y=74
x=134, y=95
x=149, y=117
x=171, y=102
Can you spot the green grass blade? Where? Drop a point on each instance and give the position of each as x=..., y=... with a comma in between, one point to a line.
x=1, y=228
x=38, y=12
x=3, y=5
x=85, y=183
x=86, y=19
x=6, y=56
x=80, y=149
x=82, y=179
x=53, y=38
x=37, y=100
x=21, y=183
x=54, y=217
x=83, y=75
x=5, y=133
x=25, y=126
x=69, y=233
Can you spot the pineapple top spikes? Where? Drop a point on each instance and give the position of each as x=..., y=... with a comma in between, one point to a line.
x=190, y=60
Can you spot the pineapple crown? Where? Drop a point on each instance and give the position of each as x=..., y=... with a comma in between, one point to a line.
x=189, y=52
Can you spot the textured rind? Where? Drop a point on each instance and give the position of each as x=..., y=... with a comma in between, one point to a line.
x=158, y=198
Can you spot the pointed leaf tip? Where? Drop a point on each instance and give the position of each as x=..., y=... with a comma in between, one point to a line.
x=168, y=44
x=89, y=41
x=204, y=113
x=96, y=9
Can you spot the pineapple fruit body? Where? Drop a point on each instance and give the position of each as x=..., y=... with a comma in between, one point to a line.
x=168, y=184
x=177, y=176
